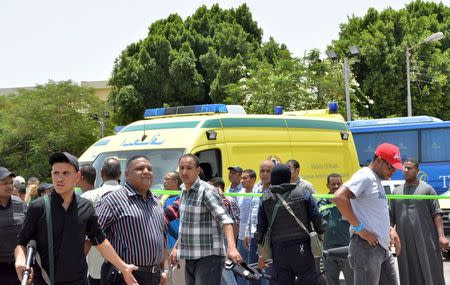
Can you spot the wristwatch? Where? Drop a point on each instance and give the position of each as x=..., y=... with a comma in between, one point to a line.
x=359, y=228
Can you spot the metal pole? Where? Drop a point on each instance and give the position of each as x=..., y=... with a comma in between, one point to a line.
x=347, y=89
x=102, y=127
x=408, y=83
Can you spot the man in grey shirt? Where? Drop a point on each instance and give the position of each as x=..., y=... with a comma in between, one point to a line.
x=421, y=231
x=362, y=202
x=12, y=211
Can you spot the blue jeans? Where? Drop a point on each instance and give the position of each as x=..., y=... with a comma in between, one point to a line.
x=371, y=264
x=244, y=252
x=253, y=258
x=333, y=265
x=204, y=271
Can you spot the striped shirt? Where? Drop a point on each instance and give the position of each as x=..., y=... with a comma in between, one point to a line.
x=134, y=227
x=202, y=215
x=250, y=229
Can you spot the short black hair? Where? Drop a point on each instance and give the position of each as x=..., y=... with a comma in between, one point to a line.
x=177, y=177
x=250, y=173
x=33, y=179
x=21, y=189
x=217, y=182
x=135, y=158
x=111, y=168
x=333, y=175
x=293, y=162
x=88, y=173
x=413, y=161
x=193, y=156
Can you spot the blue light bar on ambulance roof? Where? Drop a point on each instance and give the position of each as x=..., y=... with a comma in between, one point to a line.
x=194, y=109
x=118, y=129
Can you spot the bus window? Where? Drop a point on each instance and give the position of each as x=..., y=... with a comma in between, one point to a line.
x=366, y=144
x=435, y=145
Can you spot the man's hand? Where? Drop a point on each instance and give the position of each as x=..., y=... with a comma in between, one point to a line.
x=164, y=280
x=369, y=236
x=234, y=255
x=173, y=257
x=127, y=274
x=261, y=262
x=247, y=242
x=20, y=269
x=395, y=241
x=443, y=242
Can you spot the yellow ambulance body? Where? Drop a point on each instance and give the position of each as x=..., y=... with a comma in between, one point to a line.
x=322, y=144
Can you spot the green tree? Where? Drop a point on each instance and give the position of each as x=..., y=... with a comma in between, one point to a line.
x=267, y=86
x=381, y=70
x=188, y=62
x=53, y=117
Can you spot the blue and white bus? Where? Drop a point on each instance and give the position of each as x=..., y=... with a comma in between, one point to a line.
x=424, y=138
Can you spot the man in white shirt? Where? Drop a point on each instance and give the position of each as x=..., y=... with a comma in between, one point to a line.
x=110, y=174
x=362, y=202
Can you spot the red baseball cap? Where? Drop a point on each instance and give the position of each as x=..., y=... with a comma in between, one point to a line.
x=391, y=154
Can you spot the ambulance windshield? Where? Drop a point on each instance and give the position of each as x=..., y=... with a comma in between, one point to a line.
x=162, y=160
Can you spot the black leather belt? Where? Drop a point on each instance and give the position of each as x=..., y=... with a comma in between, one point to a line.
x=151, y=269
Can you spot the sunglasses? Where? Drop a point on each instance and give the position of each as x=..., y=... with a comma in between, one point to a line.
x=390, y=167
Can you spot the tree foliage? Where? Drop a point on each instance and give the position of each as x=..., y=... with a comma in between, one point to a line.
x=381, y=70
x=192, y=61
x=57, y=116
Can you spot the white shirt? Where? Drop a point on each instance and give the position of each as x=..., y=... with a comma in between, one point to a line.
x=94, y=258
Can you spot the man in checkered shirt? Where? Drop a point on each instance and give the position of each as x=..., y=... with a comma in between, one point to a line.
x=203, y=224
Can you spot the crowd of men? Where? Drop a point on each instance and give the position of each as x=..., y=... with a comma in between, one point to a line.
x=125, y=234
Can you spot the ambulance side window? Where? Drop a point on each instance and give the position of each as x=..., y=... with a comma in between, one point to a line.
x=210, y=162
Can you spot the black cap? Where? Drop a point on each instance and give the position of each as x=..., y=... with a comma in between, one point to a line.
x=280, y=174
x=235, y=168
x=44, y=186
x=4, y=172
x=64, y=157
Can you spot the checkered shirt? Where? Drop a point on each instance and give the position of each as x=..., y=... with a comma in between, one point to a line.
x=202, y=215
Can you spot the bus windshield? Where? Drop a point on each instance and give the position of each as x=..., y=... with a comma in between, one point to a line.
x=162, y=160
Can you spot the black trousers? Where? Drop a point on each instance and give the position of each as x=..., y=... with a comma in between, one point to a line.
x=8, y=274
x=111, y=276
x=293, y=259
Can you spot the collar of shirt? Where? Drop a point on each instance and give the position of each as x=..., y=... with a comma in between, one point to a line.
x=194, y=186
x=58, y=199
x=7, y=205
x=131, y=191
x=110, y=183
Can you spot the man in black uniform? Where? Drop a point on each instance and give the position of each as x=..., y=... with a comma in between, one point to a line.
x=12, y=214
x=73, y=218
x=291, y=248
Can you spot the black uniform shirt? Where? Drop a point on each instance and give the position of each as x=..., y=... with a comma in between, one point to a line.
x=69, y=231
x=11, y=219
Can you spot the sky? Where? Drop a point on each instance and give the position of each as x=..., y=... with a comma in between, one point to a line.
x=80, y=39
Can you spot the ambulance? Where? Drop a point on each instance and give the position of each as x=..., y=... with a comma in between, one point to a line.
x=224, y=135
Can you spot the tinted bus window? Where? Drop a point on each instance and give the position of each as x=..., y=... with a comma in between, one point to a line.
x=435, y=145
x=366, y=144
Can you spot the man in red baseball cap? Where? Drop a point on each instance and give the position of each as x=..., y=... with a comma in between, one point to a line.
x=362, y=202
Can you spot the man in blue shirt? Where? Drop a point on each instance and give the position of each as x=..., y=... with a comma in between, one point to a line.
x=235, y=179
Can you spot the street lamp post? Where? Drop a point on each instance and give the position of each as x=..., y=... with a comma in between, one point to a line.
x=432, y=38
x=347, y=89
x=355, y=51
